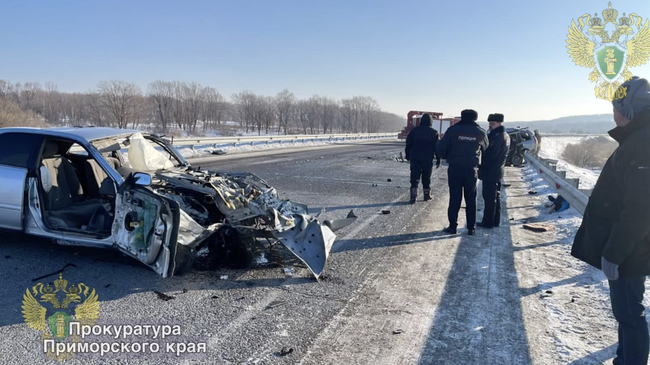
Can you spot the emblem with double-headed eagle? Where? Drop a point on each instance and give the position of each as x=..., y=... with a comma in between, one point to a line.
x=54, y=322
x=610, y=56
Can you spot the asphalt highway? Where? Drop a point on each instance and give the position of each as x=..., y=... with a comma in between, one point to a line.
x=395, y=290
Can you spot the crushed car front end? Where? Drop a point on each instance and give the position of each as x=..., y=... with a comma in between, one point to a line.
x=212, y=203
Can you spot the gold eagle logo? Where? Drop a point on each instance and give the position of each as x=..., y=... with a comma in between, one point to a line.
x=54, y=323
x=610, y=56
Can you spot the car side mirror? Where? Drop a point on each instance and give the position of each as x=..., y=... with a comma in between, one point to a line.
x=142, y=178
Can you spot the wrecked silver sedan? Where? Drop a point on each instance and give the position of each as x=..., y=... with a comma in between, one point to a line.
x=135, y=192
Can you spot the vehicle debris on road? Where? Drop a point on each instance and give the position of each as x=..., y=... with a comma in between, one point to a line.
x=539, y=227
x=163, y=296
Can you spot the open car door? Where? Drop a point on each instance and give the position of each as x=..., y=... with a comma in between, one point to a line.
x=146, y=227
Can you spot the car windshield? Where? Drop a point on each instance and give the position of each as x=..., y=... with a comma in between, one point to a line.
x=141, y=152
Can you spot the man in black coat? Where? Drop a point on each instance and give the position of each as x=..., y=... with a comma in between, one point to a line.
x=462, y=146
x=615, y=232
x=491, y=171
x=421, y=150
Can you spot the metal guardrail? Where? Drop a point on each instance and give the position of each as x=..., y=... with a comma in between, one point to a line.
x=216, y=141
x=567, y=187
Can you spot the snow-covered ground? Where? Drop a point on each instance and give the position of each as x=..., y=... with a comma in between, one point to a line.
x=574, y=295
x=553, y=148
x=188, y=152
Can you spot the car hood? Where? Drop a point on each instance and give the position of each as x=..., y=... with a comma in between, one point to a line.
x=244, y=201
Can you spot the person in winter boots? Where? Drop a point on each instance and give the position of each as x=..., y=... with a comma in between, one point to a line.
x=462, y=146
x=420, y=151
x=615, y=232
x=491, y=171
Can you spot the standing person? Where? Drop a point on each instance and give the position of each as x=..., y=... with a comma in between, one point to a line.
x=421, y=150
x=462, y=146
x=491, y=171
x=615, y=232
x=538, y=137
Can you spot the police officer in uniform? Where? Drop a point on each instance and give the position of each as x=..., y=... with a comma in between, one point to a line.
x=462, y=145
x=421, y=150
x=491, y=171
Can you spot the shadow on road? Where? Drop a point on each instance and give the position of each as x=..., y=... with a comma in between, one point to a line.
x=387, y=241
x=598, y=357
x=26, y=261
x=316, y=209
x=479, y=319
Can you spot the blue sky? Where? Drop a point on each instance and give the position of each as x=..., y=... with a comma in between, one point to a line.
x=499, y=56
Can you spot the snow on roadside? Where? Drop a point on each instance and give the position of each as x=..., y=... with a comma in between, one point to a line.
x=188, y=152
x=571, y=295
x=553, y=148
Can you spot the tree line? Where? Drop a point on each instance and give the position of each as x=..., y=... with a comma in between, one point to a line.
x=167, y=107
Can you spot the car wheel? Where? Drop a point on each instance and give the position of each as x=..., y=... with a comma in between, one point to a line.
x=517, y=160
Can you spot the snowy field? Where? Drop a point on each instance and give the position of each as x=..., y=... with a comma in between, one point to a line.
x=553, y=147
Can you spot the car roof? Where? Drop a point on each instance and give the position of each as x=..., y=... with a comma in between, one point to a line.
x=84, y=133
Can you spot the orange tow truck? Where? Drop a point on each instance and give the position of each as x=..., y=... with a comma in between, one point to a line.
x=413, y=120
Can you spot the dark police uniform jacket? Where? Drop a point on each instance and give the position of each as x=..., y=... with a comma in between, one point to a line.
x=494, y=157
x=463, y=143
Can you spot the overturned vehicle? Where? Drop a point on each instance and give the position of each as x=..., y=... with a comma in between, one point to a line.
x=77, y=186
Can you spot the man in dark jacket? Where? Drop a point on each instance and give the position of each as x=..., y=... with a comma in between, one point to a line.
x=462, y=146
x=491, y=171
x=421, y=150
x=615, y=231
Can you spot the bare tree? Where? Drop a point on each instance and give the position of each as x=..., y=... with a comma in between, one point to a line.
x=161, y=94
x=329, y=110
x=303, y=114
x=590, y=152
x=120, y=99
x=245, y=104
x=583, y=154
x=214, y=108
x=95, y=110
x=266, y=105
x=192, y=97
x=285, y=109
x=11, y=115
x=352, y=110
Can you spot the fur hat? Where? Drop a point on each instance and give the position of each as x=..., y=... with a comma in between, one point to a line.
x=636, y=100
x=495, y=118
x=469, y=114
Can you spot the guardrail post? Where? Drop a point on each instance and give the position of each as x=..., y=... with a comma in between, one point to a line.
x=561, y=174
x=573, y=182
x=587, y=192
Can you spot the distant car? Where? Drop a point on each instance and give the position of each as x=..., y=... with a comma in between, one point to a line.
x=521, y=140
x=78, y=187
